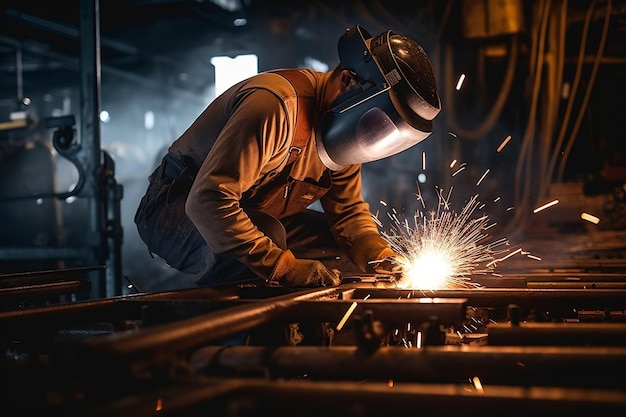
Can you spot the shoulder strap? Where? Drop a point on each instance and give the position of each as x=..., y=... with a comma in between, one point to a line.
x=306, y=98
x=305, y=94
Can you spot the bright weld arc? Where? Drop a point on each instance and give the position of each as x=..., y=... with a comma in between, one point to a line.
x=445, y=241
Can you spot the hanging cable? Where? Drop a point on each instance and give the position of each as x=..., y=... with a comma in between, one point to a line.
x=572, y=96
x=496, y=110
x=585, y=102
x=524, y=171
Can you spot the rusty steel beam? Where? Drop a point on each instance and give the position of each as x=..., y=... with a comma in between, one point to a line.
x=43, y=277
x=534, y=365
x=107, y=309
x=305, y=397
x=578, y=285
x=38, y=291
x=502, y=297
x=123, y=351
x=449, y=311
x=557, y=334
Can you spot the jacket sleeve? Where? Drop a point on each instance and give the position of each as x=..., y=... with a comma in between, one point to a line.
x=351, y=220
x=253, y=141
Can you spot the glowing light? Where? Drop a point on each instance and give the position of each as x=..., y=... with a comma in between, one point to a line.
x=590, y=218
x=229, y=71
x=545, y=206
x=430, y=268
x=105, y=117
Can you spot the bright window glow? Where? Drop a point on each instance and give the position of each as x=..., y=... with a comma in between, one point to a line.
x=148, y=120
x=229, y=71
x=315, y=64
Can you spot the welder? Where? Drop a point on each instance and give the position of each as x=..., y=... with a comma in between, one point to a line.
x=233, y=200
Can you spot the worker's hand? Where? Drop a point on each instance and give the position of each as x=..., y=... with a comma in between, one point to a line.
x=388, y=262
x=292, y=272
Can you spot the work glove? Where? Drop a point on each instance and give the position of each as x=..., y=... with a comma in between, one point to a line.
x=372, y=254
x=292, y=272
x=388, y=262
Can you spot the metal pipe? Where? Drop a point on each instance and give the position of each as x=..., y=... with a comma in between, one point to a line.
x=448, y=311
x=557, y=334
x=166, y=340
x=303, y=397
x=539, y=366
x=502, y=297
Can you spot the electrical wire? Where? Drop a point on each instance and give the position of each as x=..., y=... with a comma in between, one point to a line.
x=524, y=168
x=570, y=102
x=585, y=102
x=494, y=114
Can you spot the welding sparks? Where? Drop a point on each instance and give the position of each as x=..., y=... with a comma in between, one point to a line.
x=460, y=82
x=441, y=248
x=495, y=261
x=482, y=178
x=503, y=144
x=345, y=316
x=477, y=384
x=545, y=206
x=590, y=218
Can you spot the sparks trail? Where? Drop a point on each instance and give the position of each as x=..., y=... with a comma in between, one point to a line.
x=442, y=248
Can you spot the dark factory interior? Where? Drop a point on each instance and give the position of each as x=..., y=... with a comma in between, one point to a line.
x=529, y=144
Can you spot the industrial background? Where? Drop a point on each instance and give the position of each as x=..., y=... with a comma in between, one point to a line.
x=533, y=122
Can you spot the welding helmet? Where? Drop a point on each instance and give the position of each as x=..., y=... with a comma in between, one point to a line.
x=392, y=107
